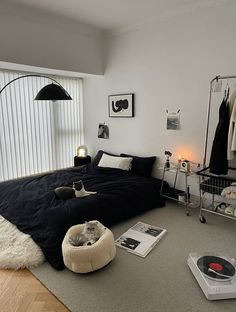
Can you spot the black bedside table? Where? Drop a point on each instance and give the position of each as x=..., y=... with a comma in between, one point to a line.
x=80, y=161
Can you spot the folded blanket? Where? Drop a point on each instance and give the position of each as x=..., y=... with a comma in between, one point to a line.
x=229, y=192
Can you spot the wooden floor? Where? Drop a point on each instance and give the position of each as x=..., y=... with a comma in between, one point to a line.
x=20, y=291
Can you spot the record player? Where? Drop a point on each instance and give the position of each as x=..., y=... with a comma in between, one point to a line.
x=215, y=275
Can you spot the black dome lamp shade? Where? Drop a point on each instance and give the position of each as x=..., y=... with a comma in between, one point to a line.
x=52, y=92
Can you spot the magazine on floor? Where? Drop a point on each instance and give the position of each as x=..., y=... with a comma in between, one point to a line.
x=140, y=238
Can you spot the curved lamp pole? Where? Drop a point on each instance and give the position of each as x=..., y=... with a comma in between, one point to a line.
x=51, y=92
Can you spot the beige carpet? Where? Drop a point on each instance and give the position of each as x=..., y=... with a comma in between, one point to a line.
x=161, y=282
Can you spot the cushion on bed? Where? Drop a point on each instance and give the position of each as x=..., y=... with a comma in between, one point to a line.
x=141, y=166
x=123, y=163
x=99, y=156
x=84, y=259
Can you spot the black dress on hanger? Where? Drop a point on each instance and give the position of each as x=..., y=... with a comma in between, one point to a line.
x=218, y=160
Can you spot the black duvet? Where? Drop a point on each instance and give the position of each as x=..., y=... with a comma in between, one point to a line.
x=30, y=203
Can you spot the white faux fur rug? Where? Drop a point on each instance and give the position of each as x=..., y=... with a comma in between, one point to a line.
x=17, y=250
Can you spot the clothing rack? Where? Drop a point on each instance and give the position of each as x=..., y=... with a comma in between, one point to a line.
x=217, y=78
x=211, y=183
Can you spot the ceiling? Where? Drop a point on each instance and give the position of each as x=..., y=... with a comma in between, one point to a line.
x=108, y=15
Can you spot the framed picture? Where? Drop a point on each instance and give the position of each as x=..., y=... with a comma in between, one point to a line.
x=121, y=105
x=103, y=131
x=173, y=120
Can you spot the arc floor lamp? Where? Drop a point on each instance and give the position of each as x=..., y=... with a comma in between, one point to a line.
x=51, y=92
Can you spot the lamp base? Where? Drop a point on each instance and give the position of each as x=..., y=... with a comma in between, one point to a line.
x=80, y=161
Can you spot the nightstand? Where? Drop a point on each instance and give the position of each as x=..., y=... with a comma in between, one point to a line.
x=173, y=193
x=80, y=161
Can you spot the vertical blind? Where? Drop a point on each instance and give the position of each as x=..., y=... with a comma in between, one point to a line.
x=37, y=136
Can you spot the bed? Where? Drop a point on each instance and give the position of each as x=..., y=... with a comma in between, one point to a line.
x=30, y=203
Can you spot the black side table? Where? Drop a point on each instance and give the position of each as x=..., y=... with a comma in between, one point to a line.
x=80, y=161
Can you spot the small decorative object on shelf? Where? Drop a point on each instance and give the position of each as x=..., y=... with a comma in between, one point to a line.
x=184, y=165
x=80, y=161
x=168, y=155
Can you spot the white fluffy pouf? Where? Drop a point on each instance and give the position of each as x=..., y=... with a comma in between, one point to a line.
x=17, y=250
x=84, y=259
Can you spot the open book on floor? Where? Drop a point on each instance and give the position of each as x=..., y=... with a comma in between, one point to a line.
x=140, y=238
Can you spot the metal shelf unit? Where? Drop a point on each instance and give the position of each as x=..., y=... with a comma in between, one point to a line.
x=173, y=193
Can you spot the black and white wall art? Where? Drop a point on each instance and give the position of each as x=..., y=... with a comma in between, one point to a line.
x=103, y=131
x=121, y=105
x=173, y=120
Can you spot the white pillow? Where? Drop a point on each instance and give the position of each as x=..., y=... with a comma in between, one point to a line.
x=123, y=163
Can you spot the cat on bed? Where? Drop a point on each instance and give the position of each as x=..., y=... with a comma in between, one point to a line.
x=77, y=190
x=88, y=236
x=64, y=192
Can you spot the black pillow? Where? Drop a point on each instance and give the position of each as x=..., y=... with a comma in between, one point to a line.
x=99, y=156
x=141, y=166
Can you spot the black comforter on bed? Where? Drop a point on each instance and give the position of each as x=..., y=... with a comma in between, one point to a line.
x=30, y=203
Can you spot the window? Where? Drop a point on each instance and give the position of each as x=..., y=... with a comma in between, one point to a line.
x=37, y=136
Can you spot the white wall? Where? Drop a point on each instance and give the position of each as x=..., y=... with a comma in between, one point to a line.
x=33, y=38
x=168, y=65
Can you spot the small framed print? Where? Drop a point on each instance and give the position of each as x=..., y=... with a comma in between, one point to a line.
x=121, y=105
x=173, y=120
x=103, y=131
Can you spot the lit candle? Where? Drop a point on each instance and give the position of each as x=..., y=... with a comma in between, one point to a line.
x=179, y=158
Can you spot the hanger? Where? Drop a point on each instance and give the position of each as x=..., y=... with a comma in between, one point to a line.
x=227, y=90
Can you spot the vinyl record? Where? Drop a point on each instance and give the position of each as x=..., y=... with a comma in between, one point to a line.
x=216, y=268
